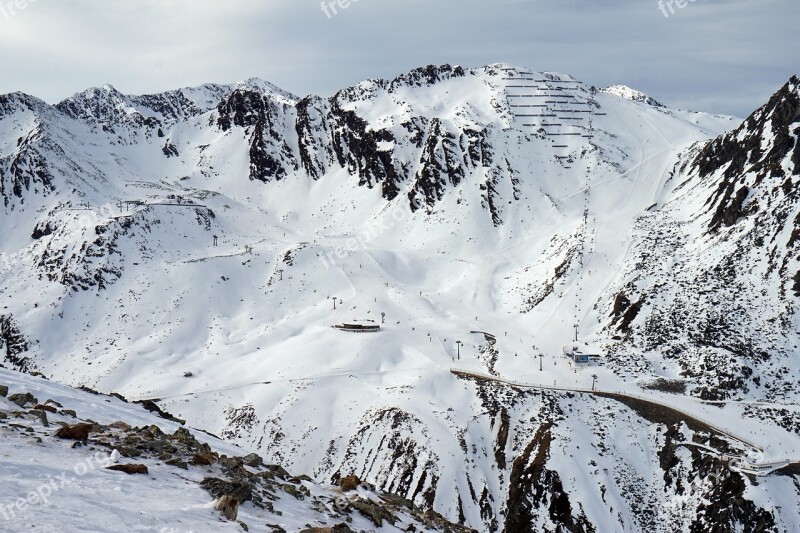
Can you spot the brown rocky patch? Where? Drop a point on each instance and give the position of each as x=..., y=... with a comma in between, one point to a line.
x=129, y=469
x=349, y=483
x=78, y=432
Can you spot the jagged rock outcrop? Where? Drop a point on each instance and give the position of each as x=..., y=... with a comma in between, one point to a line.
x=25, y=170
x=265, y=121
x=14, y=344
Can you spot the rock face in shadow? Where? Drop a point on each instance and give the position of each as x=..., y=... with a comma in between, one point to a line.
x=534, y=489
x=317, y=135
x=13, y=345
x=743, y=151
x=25, y=170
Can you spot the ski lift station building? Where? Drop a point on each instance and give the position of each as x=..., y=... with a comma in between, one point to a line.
x=359, y=326
x=582, y=355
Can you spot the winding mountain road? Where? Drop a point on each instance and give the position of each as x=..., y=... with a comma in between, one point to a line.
x=737, y=463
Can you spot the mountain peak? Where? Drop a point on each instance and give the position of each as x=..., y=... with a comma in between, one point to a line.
x=104, y=91
x=762, y=144
x=266, y=88
x=623, y=91
x=11, y=101
x=107, y=105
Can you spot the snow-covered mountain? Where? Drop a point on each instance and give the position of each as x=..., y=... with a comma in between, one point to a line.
x=81, y=461
x=623, y=91
x=482, y=217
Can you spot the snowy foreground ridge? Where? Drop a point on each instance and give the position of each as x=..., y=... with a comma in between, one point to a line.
x=135, y=471
x=189, y=248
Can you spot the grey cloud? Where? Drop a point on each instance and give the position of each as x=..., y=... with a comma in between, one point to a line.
x=723, y=56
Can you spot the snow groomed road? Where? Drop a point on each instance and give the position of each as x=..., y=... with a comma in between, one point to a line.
x=736, y=463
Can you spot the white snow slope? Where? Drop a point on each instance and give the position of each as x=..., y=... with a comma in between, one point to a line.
x=49, y=484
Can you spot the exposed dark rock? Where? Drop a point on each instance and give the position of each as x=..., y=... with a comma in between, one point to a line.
x=621, y=304
x=277, y=471
x=441, y=167
x=270, y=155
x=129, y=469
x=730, y=208
x=398, y=456
x=672, y=386
x=297, y=491
x=357, y=149
x=203, y=459
x=625, y=312
x=312, y=124
x=253, y=460
x=170, y=150
x=43, y=229
x=79, y=432
x=130, y=452
x=502, y=439
x=93, y=264
x=25, y=168
x=177, y=462
x=239, y=420
x=230, y=463
x=426, y=76
x=23, y=399
x=151, y=406
x=338, y=528
x=534, y=489
x=740, y=152
x=241, y=490
x=13, y=344
x=373, y=511
x=41, y=415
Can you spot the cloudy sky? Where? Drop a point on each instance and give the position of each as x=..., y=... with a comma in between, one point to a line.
x=724, y=56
